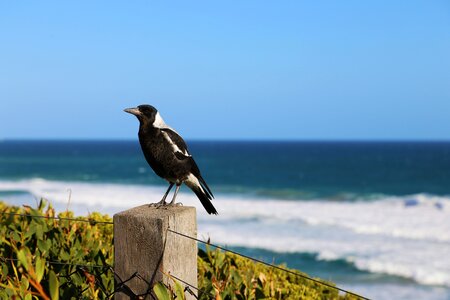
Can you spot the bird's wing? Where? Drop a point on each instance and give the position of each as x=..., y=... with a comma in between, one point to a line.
x=177, y=143
x=182, y=153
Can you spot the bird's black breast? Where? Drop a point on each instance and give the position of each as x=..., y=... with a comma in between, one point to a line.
x=162, y=156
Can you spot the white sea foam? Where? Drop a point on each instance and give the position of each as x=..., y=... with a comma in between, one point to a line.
x=406, y=236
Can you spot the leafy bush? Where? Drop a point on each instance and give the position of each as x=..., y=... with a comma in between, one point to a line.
x=40, y=256
x=228, y=276
x=45, y=258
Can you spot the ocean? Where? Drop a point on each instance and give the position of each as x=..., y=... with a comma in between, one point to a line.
x=374, y=217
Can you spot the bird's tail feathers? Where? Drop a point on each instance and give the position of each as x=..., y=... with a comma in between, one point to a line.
x=199, y=187
x=205, y=187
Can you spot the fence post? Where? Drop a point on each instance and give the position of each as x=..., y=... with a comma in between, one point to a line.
x=142, y=245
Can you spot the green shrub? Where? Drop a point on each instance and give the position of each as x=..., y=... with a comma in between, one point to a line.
x=40, y=255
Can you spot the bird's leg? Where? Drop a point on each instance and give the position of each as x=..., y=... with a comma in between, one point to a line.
x=172, y=203
x=163, y=200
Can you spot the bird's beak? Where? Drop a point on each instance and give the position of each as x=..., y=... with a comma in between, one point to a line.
x=133, y=111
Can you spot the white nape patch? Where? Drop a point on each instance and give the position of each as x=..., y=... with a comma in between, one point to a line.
x=192, y=181
x=159, y=122
x=174, y=146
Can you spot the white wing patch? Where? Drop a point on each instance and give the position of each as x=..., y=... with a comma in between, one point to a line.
x=174, y=146
x=192, y=181
x=159, y=123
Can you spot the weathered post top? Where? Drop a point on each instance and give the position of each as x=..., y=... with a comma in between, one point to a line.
x=142, y=244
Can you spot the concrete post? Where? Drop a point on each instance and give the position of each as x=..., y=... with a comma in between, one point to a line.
x=142, y=244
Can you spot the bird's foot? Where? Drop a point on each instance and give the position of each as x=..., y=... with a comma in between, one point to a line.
x=158, y=204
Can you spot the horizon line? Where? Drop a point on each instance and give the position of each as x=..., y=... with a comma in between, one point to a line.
x=360, y=140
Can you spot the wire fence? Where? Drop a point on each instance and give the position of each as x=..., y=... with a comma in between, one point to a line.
x=266, y=264
x=120, y=284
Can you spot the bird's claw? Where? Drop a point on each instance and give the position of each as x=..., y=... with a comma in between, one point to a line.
x=164, y=204
x=158, y=204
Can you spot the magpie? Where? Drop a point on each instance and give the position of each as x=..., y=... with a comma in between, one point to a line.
x=168, y=155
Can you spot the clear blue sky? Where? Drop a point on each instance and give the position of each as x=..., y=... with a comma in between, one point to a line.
x=228, y=70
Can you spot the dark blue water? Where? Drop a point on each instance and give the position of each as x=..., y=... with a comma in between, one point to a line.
x=290, y=170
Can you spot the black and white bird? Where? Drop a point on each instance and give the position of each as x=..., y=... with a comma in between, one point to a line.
x=167, y=154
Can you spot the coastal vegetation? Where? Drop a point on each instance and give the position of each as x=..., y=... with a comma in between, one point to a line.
x=45, y=255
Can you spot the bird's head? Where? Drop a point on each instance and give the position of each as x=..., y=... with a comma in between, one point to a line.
x=145, y=113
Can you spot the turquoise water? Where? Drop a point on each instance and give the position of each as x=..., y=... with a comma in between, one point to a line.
x=372, y=216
